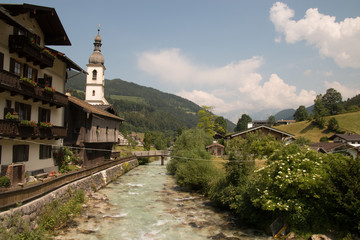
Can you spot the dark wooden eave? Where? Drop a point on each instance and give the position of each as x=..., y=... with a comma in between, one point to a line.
x=47, y=19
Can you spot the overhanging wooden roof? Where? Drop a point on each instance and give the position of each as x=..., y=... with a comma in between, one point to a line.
x=92, y=108
x=254, y=129
x=47, y=19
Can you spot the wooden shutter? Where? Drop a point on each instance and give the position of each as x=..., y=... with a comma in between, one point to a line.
x=25, y=70
x=1, y=61
x=12, y=65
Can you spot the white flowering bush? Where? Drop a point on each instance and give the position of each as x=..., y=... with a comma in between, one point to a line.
x=291, y=185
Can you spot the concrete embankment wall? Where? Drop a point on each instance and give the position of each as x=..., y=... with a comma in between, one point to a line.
x=30, y=212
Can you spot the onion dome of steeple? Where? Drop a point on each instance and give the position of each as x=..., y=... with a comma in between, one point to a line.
x=96, y=57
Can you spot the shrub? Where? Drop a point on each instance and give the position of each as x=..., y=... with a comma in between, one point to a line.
x=343, y=192
x=333, y=125
x=63, y=157
x=291, y=185
x=4, y=181
x=324, y=139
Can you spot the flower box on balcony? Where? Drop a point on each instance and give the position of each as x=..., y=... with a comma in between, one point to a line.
x=28, y=82
x=46, y=125
x=48, y=52
x=12, y=117
x=27, y=123
x=49, y=90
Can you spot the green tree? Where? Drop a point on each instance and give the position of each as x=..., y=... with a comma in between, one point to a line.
x=242, y=123
x=319, y=107
x=220, y=125
x=147, y=141
x=332, y=100
x=271, y=120
x=207, y=120
x=333, y=125
x=187, y=160
x=301, y=114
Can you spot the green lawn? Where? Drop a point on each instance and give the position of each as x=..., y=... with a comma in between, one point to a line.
x=348, y=122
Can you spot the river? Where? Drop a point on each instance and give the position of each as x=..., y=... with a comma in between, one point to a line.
x=146, y=203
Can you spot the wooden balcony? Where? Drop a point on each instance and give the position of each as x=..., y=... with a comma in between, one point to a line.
x=13, y=129
x=32, y=52
x=10, y=82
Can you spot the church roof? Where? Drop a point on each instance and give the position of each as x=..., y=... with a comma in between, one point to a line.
x=96, y=57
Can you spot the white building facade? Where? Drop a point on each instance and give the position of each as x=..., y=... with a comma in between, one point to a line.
x=32, y=86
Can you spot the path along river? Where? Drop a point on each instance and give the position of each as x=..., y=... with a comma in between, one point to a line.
x=146, y=203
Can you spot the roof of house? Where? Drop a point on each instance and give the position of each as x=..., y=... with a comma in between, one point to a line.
x=326, y=146
x=215, y=144
x=253, y=129
x=92, y=108
x=46, y=17
x=347, y=137
x=286, y=121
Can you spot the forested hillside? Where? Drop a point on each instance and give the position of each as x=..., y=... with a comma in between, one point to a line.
x=144, y=108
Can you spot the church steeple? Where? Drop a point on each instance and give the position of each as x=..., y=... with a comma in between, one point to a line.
x=96, y=57
x=95, y=79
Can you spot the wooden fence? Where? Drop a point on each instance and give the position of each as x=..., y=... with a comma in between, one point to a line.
x=10, y=198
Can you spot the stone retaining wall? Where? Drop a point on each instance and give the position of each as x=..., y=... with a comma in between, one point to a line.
x=30, y=212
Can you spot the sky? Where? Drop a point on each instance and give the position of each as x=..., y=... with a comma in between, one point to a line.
x=236, y=56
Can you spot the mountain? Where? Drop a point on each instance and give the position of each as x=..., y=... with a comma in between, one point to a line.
x=144, y=108
x=286, y=114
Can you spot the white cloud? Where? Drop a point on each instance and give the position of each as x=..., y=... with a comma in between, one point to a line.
x=328, y=73
x=236, y=87
x=308, y=72
x=201, y=98
x=337, y=40
x=172, y=66
x=346, y=92
x=276, y=94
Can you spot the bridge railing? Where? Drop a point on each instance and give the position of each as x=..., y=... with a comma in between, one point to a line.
x=152, y=153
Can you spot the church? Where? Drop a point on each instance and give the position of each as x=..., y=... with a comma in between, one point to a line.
x=93, y=124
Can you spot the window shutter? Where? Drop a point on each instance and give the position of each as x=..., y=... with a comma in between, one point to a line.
x=1, y=61
x=12, y=65
x=35, y=73
x=25, y=70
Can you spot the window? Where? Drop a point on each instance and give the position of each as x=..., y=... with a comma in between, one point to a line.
x=15, y=67
x=20, y=153
x=45, y=151
x=93, y=93
x=18, y=31
x=24, y=111
x=29, y=72
x=8, y=103
x=94, y=75
x=44, y=115
x=47, y=80
x=8, y=108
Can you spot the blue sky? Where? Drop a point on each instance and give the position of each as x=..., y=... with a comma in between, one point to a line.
x=243, y=56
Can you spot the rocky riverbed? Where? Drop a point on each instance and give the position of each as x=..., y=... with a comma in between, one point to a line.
x=146, y=204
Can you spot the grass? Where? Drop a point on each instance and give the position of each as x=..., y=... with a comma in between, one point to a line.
x=348, y=122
